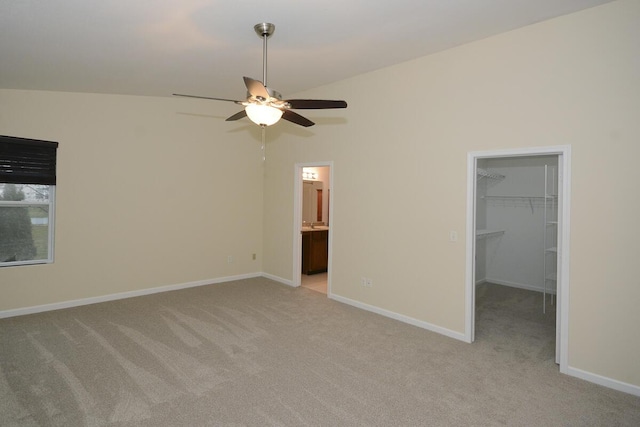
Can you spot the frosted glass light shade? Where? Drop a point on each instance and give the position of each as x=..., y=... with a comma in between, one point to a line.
x=263, y=114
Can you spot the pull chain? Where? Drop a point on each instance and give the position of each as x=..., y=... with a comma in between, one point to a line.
x=264, y=152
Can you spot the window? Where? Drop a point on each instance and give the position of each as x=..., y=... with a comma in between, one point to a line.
x=27, y=195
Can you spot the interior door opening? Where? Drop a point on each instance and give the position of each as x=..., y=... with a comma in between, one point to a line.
x=312, y=226
x=517, y=249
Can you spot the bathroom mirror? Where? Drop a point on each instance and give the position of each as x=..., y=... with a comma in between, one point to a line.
x=312, y=201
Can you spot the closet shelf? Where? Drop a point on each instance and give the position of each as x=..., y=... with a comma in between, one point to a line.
x=553, y=249
x=530, y=202
x=512, y=197
x=483, y=234
x=483, y=173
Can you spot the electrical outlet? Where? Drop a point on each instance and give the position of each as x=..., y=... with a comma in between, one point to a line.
x=369, y=283
x=230, y=259
x=453, y=236
x=363, y=281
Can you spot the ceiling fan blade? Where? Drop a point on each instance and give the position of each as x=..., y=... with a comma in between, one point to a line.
x=237, y=116
x=315, y=104
x=296, y=118
x=207, y=97
x=256, y=88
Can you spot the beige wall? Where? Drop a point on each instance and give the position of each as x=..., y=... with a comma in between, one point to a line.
x=399, y=155
x=151, y=192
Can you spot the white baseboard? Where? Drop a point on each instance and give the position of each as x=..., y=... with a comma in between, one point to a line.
x=278, y=279
x=604, y=381
x=578, y=373
x=120, y=295
x=402, y=318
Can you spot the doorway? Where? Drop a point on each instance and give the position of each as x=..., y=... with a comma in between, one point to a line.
x=537, y=203
x=312, y=226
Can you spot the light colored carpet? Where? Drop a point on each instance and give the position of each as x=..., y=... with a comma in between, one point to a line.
x=258, y=353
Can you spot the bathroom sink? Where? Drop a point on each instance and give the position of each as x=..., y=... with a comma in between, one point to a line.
x=315, y=228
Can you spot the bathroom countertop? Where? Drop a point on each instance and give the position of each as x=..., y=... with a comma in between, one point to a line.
x=315, y=228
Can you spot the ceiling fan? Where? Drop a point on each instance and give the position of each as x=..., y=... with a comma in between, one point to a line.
x=264, y=106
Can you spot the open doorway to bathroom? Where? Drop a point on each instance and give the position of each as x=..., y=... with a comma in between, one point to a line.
x=312, y=226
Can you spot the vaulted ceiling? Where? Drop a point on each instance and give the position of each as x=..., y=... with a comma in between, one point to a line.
x=150, y=47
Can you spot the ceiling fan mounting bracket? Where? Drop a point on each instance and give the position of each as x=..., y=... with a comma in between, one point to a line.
x=264, y=29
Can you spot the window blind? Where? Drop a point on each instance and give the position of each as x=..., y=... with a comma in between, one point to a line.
x=27, y=161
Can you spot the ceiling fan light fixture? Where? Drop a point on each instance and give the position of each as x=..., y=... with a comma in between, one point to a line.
x=263, y=115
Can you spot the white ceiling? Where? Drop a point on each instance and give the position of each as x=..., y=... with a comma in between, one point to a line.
x=154, y=47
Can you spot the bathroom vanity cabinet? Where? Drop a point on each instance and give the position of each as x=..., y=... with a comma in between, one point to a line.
x=315, y=251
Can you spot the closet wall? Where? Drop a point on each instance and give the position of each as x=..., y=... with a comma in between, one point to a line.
x=510, y=220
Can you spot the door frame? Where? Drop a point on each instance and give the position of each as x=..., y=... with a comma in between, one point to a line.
x=297, y=220
x=564, y=209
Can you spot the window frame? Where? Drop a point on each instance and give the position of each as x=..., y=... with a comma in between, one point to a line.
x=25, y=162
x=51, y=227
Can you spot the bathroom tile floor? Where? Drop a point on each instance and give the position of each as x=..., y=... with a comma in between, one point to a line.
x=315, y=282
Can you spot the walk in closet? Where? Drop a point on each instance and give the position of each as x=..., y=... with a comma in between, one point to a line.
x=517, y=224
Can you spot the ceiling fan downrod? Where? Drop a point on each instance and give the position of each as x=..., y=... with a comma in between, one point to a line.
x=264, y=30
